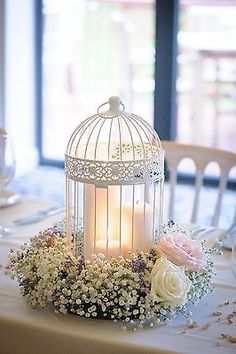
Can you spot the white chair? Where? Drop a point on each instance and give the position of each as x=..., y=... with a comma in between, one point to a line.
x=201, y=156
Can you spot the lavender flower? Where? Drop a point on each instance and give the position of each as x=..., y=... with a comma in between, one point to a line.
x=80, y=264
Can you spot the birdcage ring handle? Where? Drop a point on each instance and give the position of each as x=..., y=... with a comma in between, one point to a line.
x=111, y=116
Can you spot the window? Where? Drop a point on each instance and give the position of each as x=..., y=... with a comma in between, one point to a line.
x=92, y=50
x=206, y=82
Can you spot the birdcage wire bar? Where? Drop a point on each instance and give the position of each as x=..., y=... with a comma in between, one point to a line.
x=114, y=166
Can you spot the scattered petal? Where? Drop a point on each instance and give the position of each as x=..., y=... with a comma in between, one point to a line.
x=224, y=304
x=193, y=325
x=205, y=326
x=230, y=339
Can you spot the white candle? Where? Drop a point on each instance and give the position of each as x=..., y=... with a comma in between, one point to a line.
x=113, y=248
x=112, y=227
x=101, y=219
x=136, y=227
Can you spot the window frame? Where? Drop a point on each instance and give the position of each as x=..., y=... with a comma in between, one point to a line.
x=164, y=109
x=165, y=75
x=2, y=64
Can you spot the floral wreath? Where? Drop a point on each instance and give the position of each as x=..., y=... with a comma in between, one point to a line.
x=144, y=290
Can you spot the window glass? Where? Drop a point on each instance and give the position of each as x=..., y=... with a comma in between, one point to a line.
x=206, y=83
x=93, y=50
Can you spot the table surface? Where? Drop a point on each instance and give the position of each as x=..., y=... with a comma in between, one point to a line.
x=24, y=330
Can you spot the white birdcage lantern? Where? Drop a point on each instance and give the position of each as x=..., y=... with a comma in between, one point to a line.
x=114, y=166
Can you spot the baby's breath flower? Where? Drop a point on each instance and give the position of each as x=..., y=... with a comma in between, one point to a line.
x=115, y=288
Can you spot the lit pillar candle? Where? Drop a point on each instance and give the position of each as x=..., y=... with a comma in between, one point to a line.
x=113, y=247
x=89, y=219
x=136, y=227
x=112, y=227
x=101, y=220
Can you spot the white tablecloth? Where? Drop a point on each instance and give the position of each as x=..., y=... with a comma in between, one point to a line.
x=24, y=330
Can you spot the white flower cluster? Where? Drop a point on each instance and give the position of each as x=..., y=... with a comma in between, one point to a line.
x=145, y=289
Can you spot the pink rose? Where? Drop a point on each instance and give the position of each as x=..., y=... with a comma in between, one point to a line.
x=181, y=250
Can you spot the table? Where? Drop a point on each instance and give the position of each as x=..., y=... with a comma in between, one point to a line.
x=24, y=330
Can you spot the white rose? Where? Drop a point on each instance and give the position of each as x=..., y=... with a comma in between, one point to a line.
x=169, y=283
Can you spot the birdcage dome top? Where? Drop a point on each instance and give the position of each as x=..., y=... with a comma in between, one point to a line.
x=110, y=137
x=114, y=135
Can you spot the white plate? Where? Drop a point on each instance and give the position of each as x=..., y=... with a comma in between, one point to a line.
x=9, y=198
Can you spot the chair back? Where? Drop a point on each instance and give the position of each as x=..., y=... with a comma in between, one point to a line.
x=201, y=156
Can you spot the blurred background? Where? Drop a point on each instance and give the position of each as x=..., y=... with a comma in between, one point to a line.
x=173, y=63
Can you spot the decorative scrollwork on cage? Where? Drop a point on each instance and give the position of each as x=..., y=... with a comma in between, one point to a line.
x=118, y=172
